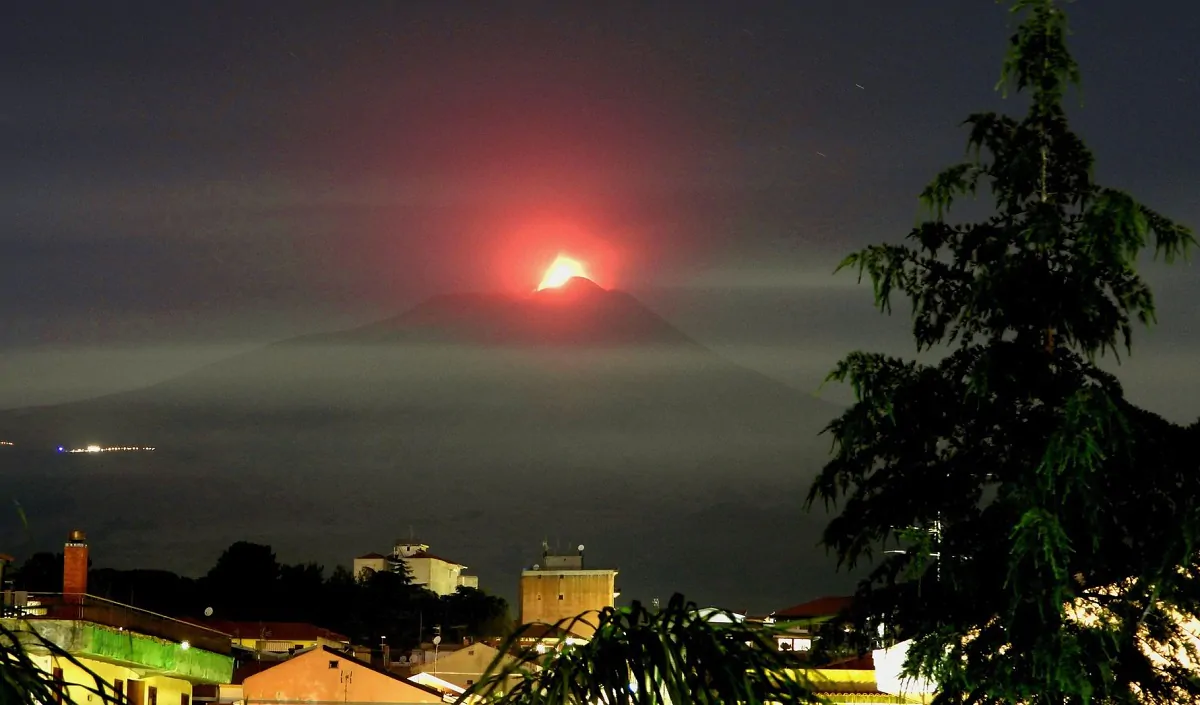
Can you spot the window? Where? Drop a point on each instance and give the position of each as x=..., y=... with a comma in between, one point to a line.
x=185, y=699
x=152, y=695
x=795, y=644
x=560, y=597
x=119, y=689
x=333, y=664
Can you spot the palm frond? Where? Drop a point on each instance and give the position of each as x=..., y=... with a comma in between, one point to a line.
x=679, y=655
x=24, y=682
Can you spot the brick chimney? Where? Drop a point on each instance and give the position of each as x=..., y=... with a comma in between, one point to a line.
x=75, y=566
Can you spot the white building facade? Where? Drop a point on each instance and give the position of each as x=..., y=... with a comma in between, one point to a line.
x=434, y=573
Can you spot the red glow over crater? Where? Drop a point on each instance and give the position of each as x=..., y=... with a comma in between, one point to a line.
x=544, y=254
x=561, y=271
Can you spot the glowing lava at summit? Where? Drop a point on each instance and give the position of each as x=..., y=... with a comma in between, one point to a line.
x=561, y=271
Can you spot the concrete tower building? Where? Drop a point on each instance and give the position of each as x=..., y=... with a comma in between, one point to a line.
x=561, y=587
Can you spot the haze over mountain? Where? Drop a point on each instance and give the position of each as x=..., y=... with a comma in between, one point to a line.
x=483, y=422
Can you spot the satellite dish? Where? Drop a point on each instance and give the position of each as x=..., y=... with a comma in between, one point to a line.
x=536, y=566
x=208, y=612
x=580, y=547
x=437, y=640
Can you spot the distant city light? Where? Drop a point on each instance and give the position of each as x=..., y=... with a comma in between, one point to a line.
x=106, y=449
x=7, y=443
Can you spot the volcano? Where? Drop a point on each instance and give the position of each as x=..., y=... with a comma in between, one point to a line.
x=487, y=422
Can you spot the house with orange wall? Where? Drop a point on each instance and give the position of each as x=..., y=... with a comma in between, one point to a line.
x=325, y=675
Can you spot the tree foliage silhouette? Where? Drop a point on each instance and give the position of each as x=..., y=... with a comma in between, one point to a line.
x=1047, y=526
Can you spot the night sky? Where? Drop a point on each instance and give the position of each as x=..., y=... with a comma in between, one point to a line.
x=180, y=182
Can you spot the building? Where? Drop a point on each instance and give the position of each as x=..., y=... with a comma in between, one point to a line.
x=449, y=691
x=326, y=675
x=801, y=622
x=151, y=659
x=5, y=561
x=561, y=588
x=434, y=573
x=278, y=638
x=464, y=667
x=858, y=681
x=544, y=638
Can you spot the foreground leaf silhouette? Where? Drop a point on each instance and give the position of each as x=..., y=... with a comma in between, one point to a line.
x=22, y=682
x=679, y=655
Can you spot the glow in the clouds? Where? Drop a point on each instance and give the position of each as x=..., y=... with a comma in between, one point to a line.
x=562, y=270
x=108, y=449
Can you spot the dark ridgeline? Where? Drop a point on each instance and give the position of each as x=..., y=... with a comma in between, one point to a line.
x=491, y=420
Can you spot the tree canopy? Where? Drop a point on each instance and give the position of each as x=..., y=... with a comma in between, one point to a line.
x=1042, y=528
x=248, y=583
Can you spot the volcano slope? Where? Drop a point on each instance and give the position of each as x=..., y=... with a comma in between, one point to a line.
x=483, y=422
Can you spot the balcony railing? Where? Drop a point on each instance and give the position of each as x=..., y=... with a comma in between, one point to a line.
x=89, y=608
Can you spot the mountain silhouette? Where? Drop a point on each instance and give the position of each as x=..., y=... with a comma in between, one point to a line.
x=486, y=421
x=579, y=312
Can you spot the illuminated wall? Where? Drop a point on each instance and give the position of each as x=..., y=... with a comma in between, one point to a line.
x=434, y=573
x=548, y=596
x=282, y=646
x=167, y=691
x=431, y=572
x=85, y=640
x=463, y=667
x=325, y=676
x=363, y=564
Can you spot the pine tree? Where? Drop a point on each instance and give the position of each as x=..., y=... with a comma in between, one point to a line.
x=1042, y=529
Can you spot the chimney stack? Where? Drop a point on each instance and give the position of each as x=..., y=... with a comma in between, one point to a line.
x=75, y=566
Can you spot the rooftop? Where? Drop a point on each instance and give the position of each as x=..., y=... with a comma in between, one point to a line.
x=540, y=631
x=828, y=606
x=97, y=610
x=274, y=631
x=359, y=662
x=427, y=554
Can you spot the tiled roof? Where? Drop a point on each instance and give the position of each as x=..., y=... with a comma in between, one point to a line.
x=367, y=665
x=869, y=696
x=249, y=668
x=547, y=631
x=427, y=554
x=820, y=607
x=865, y=662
